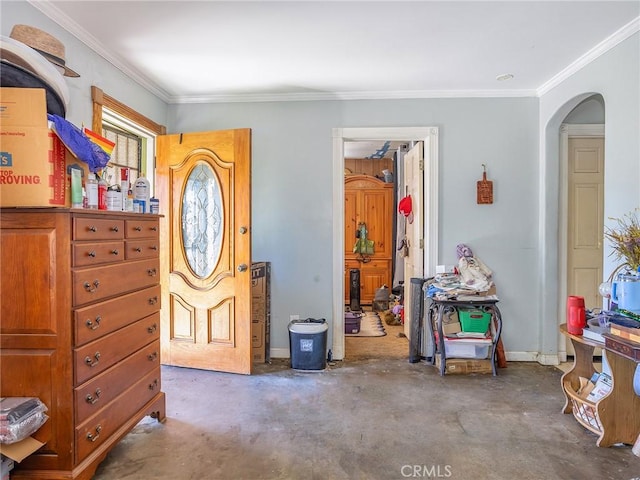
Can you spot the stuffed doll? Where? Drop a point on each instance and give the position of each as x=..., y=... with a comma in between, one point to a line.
x=473, y=272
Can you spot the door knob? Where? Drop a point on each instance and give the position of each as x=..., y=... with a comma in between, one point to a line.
x=243, y=230
x=242, y=267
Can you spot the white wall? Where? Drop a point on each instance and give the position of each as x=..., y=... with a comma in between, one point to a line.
x=616, y=76
x=93, y=69
x=292, y=193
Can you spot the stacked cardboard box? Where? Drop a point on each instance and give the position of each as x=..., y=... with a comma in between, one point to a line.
x=33, y=160
x=260, y=311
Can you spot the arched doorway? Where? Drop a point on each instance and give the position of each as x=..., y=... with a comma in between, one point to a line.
x=553, y=221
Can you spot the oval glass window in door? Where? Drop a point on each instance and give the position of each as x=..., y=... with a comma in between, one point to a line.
x=202, y=220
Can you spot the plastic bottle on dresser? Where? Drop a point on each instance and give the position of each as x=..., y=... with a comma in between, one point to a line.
x=91, y=186
x=102, y=194
x=141, y=193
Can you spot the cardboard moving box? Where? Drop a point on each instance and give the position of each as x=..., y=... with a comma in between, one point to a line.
x=33, y=160
x=260, y=311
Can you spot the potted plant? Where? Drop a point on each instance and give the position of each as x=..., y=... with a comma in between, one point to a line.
x=625, y=240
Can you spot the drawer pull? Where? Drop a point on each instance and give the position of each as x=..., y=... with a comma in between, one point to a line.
x=91, y=399
x=138, y=228
x=152, y=272
x=91, y=287
x=152, y=356
x=152, y=328
x=115, y=252
x=92, y=253
x=93, y=438
x=93, y=326
x=137, y=249
x=154, y=247
x=114, y=228
x=153, y=385
x=153, y=300
x=90, y=362
x=154, y=229
x=92, y=228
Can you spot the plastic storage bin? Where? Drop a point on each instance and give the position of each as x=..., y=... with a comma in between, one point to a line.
x=464, y=349
x=308, y=344
x=352, y=322
x=473, y=320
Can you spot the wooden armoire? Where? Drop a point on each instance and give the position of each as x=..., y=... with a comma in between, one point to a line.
x=368, y=200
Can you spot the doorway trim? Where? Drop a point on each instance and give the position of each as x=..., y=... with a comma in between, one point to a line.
x=568, y=130
x=429, y=135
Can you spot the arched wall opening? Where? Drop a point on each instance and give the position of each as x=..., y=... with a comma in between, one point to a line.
x=551, y=223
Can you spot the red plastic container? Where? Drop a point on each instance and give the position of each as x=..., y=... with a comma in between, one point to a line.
x=576, y=315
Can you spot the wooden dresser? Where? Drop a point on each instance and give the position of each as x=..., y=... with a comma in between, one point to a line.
x=369, y=200
x=80, y=329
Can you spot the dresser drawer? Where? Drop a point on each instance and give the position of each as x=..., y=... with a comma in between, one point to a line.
x=97, y=429
x=96, y=357
x=86, y=254
x=142, y=228
x=92, y=284
x=147, y=248
x=97, y=229
x=95, y=394
x=97, y=320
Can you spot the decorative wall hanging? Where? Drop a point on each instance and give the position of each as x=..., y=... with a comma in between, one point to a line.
x=485, y=189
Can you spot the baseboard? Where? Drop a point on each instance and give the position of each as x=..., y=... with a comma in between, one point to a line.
x=532, y=357
x=511, y=356
x=279, y=353
x=521, y=356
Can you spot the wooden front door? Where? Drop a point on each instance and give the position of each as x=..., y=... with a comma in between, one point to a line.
x=204, y=190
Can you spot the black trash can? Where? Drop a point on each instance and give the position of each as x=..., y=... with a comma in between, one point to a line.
x=308, y=344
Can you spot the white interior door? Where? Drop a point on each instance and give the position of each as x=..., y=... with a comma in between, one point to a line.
x=414, y=262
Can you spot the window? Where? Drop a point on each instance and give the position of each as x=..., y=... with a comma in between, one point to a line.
x=133, y=134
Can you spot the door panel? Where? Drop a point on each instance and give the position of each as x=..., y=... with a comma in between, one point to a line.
x=586, y=218
x=414, y=262
x=204, y=190
x=585, y=221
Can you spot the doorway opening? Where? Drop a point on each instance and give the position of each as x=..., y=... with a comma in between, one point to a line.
x=373, y=178
x=429, y=205
x=582, y=164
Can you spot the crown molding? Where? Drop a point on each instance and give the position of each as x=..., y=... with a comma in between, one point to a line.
x=48, y=9
x=374, y=95
x=607, y=44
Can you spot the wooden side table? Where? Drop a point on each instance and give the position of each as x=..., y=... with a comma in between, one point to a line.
x=617, y=415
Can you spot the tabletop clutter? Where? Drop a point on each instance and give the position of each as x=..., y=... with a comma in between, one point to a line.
x=469, y=280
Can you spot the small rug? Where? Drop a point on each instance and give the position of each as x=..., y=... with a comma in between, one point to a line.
x=370, y=326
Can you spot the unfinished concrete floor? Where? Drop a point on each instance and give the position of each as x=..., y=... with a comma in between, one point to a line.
x=367, y=417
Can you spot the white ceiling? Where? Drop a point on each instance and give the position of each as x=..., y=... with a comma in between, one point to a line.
x=206, y=51
x=209, y=51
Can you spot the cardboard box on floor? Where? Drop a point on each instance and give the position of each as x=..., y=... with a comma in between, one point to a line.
x=260, y=311
x=463, y=366
x=33, y=160
x=20, y=450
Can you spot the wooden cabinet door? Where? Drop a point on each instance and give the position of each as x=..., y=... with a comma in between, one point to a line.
x=376, y=211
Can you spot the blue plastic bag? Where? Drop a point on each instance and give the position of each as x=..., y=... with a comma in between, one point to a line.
x=79, y=144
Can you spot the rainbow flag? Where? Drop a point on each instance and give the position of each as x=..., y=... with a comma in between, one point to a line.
x=103, y=143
